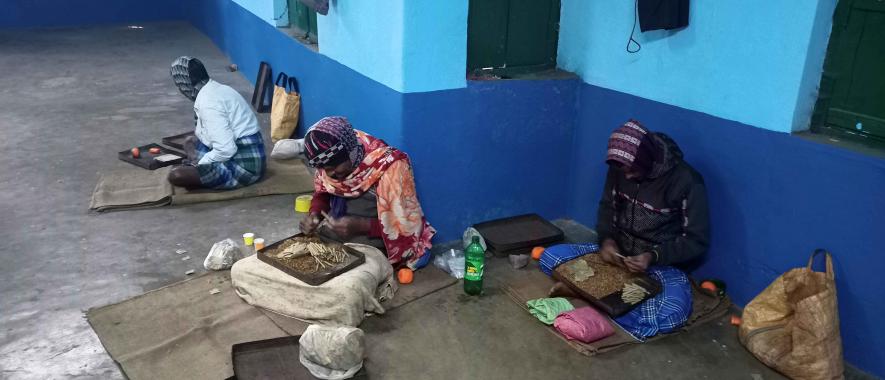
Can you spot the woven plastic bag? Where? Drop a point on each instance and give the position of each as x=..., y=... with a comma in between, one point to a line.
x=793, y=325
x=284, y=108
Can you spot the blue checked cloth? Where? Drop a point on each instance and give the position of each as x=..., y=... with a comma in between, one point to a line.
x=246, y=167
x=664, y=313
x=558, y=254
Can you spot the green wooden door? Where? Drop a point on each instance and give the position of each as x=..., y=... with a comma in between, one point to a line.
x=512, y=35
x=853, y=85
x=303, y=18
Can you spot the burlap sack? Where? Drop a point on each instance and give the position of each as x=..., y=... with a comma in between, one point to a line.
x=793, y=325
x=284, y=109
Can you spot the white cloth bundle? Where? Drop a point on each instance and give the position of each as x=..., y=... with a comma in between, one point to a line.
x=332, y=353
x=287, y=149
x=343, y=300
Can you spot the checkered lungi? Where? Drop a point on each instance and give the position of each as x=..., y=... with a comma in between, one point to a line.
x=244, y=168
x=666, y=312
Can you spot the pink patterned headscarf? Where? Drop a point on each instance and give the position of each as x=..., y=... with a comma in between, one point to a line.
x=631, y=146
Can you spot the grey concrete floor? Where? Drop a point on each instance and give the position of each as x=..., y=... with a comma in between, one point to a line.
x=71, y=98
x=455, y=336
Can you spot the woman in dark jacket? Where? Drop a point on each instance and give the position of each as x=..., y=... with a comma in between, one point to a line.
x=653, y=209
x=653, y=214
x=654, y=205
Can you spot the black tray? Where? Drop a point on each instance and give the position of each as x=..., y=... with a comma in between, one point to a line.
x=617, y=307
x=272, y=359
x=317, y=278
x=146, y=158
x=527, y=250
x=177, y=141
x=518, y=234
x=612, y=304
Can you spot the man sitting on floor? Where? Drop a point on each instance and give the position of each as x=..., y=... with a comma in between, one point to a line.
x=228, y=150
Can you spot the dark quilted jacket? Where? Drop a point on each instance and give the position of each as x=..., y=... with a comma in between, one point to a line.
x=666, y=214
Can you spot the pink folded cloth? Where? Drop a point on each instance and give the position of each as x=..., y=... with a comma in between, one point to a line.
x=584, y=325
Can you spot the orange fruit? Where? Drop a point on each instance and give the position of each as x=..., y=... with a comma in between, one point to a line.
x=709, y=285
x=405, y=276
x=735, y=320
x=536, y=252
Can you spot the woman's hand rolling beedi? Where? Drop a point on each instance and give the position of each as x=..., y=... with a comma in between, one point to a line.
x=310, y=223
x=347, y=227
x=638, y=263
x=609, y=253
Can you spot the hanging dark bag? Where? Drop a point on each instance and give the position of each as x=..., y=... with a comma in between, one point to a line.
x=261, y=96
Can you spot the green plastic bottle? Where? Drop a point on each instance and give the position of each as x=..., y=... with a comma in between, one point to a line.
x=474, y=261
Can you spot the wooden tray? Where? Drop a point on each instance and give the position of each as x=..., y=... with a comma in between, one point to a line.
x=611, y=304
x=146, y=158
x=315, y=278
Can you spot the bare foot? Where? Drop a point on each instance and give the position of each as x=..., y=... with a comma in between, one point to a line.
x=185, y=176
x=561, y=290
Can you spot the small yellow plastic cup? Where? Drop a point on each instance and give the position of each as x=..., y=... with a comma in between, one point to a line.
x=259, y=244
x=248, y=238
x=302, y=203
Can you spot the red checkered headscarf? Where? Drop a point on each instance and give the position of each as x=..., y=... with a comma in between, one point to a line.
x=331, y=141
x=631, y=146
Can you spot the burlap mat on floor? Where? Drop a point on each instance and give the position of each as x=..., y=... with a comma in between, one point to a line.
x=134, y=188
x=535, y=284
x=183, y=332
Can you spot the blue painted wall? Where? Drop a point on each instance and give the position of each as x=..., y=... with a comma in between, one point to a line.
x=743, y=60
x=492, y=150
x=774, y=198
x=741, y=67
x=468, y=145
x=327, y=87
x=408, y=45
x=56, y=13
x=502, y=148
